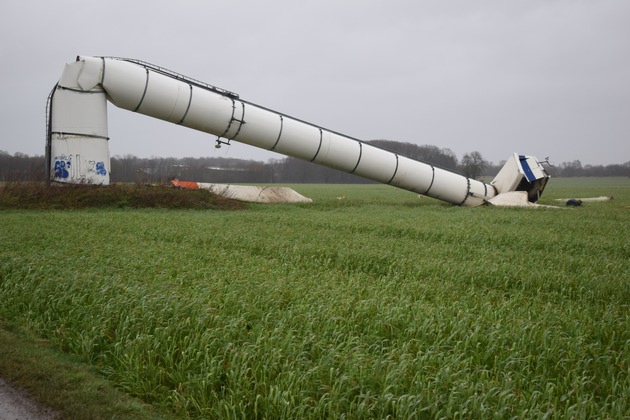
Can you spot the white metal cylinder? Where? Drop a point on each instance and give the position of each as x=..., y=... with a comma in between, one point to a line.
x=79, y=149
x=151, y=91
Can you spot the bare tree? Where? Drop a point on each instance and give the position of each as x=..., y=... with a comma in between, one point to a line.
x=472, y=164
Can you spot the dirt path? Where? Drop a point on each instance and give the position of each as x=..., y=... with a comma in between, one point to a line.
x=17, y=405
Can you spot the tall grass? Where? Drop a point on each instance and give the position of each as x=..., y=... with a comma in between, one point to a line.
x=369, y=303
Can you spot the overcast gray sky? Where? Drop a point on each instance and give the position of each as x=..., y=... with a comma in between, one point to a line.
x=539, y=77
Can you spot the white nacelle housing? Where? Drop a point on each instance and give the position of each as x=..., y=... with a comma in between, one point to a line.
x=78, y=151
x=521, y=173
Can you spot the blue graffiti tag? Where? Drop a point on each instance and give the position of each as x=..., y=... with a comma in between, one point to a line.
x=61, y=169
x=100, y=168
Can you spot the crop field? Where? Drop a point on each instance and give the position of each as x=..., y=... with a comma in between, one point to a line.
x=370, y=302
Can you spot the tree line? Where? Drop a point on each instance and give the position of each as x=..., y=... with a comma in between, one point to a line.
x=129, y=168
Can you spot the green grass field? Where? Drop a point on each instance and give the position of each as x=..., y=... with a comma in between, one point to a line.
x=370, y=302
